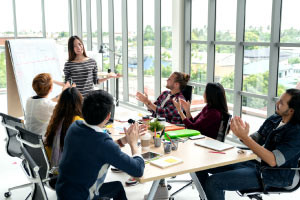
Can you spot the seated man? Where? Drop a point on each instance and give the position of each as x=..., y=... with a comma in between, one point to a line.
x=276, y=143
x=89, y=151
x=163, y=106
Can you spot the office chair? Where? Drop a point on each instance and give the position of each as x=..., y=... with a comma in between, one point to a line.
x=38, y=191
x=256, y=194
x=13, y=145
x=223, y=131
x=33, y=143
x=187, y=92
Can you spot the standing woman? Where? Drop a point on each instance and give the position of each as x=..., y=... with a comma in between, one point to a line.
x=209, y=119
x=81, y=69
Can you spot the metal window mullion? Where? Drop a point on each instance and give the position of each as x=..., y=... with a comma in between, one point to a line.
x=125, y=51
x=224, y=43
x=140, y=49
x=255, y=43
x=211, y=32
x=249, y=94
x=274, y=55
x=99, y=24
x=157, y=47
x=43, y=18
x=70, y=16
x=88, y=25
x=289, y=44
x=187, y=35
x=111, y=43
x=239, y=57
x=15, y=18
x=78, y=18
x=196, y=42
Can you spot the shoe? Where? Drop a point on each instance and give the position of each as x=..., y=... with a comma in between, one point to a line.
x=162, y=193
x=115, y=170
x=131, y=182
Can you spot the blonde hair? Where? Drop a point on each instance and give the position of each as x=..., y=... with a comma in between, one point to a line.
x=42, y=83
x=182, y=79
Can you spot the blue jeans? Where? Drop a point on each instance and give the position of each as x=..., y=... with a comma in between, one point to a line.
x=240, y=176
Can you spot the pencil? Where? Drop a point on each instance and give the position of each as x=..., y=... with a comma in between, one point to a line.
x=154, y=132
x=163, y=132
x=170, y=140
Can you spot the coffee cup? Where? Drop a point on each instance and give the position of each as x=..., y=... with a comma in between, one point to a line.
x=145, y=142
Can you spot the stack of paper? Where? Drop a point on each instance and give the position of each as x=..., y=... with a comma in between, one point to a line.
x=166, y=161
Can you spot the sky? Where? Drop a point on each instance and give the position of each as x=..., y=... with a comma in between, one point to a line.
x=57, y=16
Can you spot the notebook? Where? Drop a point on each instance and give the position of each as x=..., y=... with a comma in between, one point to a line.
x=182, y=133
x=214, y=144
x=166, y=161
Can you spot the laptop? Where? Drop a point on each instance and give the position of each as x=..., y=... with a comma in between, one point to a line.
x=214, y=145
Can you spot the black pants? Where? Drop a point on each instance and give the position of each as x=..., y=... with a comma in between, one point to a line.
x=112, y=190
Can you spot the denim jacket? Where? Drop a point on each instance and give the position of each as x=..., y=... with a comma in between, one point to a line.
x=284, y=142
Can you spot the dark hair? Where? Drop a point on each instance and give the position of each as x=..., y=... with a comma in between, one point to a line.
x=182, y=79
x=68, y=106
x=294, y=103
x=96, y=106
x=42, y=84
x=215, y=97
x=72, y=54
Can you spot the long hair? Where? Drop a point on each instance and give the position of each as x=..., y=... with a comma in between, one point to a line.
x=294, y=103
x=68, y=106
x=215, y=97
x=72, y=54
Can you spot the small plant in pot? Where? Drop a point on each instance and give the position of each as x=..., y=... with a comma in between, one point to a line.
x=155, y=126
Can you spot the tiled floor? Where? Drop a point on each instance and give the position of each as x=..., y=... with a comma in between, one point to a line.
x=12, y=175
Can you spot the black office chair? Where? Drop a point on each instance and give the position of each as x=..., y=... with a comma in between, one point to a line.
x=33, y=143
x=223, y=131
x=256, y=194
x=38, y=191
x=12, y=144
x=187, y=92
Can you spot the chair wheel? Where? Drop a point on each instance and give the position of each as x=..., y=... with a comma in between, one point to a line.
x=7, y=194
x=171, y=198
x=169, y=187
x=255, y=197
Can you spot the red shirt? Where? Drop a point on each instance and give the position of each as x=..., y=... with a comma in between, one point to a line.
x=207, y=122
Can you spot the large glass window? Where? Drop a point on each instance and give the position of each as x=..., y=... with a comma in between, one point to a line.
x=258, y=21
x=29, y=21
x=6, y=16
x=289, y=69
x=290, y=27
x=256, y=70
x=149, y=48
x=105, y=35
x=226, y=20
x=118, y=42
x=198, y=63
x=94, y=20
x=166, y=41
x=199, y=20
x=84, y=24
x=132, y=49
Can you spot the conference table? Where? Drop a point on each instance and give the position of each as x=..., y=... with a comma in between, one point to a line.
x=195, y=158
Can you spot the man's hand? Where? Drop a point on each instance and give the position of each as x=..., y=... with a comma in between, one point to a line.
x=239, y=128
x=132, y=134
x=142, y=97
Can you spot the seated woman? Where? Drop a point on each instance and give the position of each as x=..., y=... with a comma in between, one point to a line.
x=209, y=119
x=67, y=110
x=39, y=108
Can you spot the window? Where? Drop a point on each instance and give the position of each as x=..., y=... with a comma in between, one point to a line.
x=6, y=16
x=148, y=11
x=290, y=27
x=105, y=35
x=226, y=20
x=199, y=20
x=198, y=62
x=29, y=22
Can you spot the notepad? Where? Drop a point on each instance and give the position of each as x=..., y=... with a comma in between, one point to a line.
x=166, y=161
x=214, y=144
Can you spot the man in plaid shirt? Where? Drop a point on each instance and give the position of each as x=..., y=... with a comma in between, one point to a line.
x=163, y=106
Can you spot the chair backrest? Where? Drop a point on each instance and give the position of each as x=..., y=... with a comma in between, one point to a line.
x=12, y=144
x=187, y=92
x=38, y=190
x=33, y=143
x=224, y=127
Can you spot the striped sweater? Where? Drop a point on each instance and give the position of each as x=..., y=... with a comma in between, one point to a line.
x=84, y=74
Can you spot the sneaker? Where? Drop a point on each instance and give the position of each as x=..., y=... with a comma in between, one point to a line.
x=116, y=170
x=131, y=182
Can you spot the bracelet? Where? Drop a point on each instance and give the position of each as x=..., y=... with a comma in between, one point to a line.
x=120, y=143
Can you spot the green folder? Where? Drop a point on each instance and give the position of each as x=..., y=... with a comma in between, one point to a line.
x=181, y=133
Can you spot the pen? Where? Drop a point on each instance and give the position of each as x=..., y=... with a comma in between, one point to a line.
x=162, y=133
x=220, y=152
x=171, y=140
